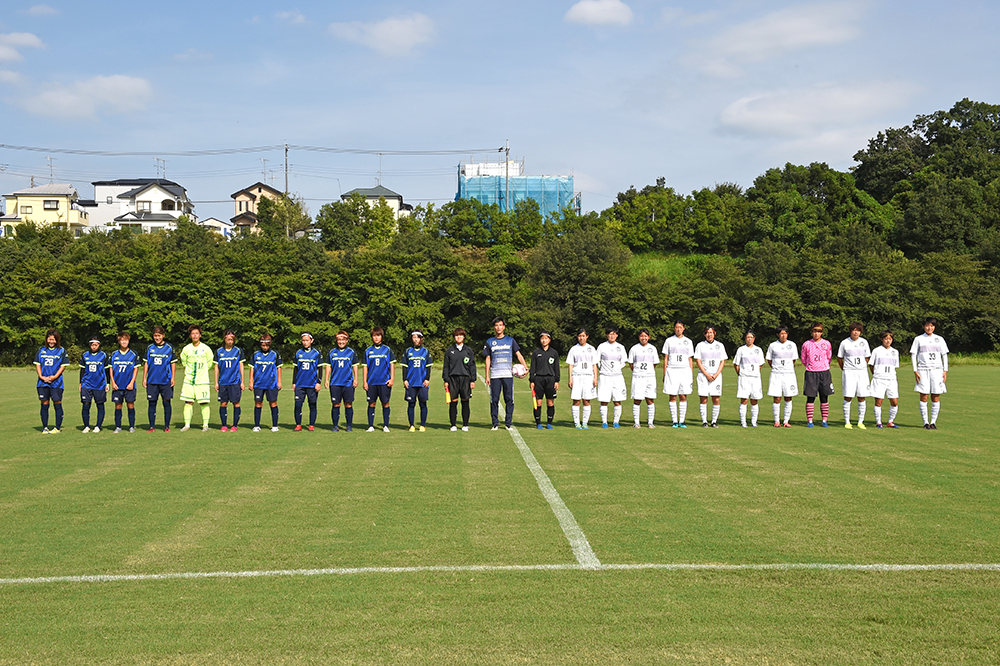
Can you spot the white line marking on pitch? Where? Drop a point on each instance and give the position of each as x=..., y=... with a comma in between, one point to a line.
x=577, y=539
x=486, y=568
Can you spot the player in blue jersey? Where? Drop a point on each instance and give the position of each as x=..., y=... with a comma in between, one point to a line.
x=379, y=373
x=93, y=383
x=305, y=380
x=265, y=381
x=50, y=363
x=342, y=379
x=124, y=370
x=500, y=351
x=159, y=367
x=417, y=379
x=229, y=381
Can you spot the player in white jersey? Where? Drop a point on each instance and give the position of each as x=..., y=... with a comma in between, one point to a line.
x=582, y=361
x=747, y=361
x=884, y=361
x=642, y=359
x=930, y=367
x=612, y=357
x=710, y=355
x=852, y=357
x=677, y=369
x=780, y=356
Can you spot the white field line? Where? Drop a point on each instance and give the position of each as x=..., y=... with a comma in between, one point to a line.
x=577, y=539
x=486, y=568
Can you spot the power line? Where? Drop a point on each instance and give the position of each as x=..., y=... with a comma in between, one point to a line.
x=236, y=151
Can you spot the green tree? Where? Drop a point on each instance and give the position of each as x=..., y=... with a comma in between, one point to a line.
x=285, y=216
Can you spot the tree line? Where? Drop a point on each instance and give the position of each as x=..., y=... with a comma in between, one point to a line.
x=911, y=231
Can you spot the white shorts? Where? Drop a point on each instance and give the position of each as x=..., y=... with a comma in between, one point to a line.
x=782, y=384
x=931, y=382
x=749, y=387
x=855, y=384
x=583, y=388
x=884, y=388
x=643, y=387
x=677, y=381
x=709, y=389
x=611, y=388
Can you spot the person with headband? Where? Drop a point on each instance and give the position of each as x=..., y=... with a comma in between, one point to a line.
x=780, y=356
x=265, y=381
x=852, y=357
x=342, y=380
x=930, y=368
x=815, y=356
x=416, y=379
x=305, y=380
x=93, y=383
x=611, y=358
x=158, y=373
x=711, y=356
x=678, y=354
x=747, y=361
x=642, y=360
x=582, y=361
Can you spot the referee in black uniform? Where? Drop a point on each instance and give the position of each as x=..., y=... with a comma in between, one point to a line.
x=459, y=376
x=544, y=378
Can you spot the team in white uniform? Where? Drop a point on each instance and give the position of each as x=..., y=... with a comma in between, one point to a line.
x=853, y=358
x=930, y=368
x=884, y=361
x=612, y=357
x=643, y=359
x=780, y=356
x=747, y=361
x=711, y=356
x=678, y=365
x=582, y=361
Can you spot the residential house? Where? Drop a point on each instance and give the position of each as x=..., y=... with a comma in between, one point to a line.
x=55, y=203
x=246, y=202
x=140, y=204
x=373, y=194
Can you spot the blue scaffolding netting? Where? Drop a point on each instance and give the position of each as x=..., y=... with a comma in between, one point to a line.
x=553, y=193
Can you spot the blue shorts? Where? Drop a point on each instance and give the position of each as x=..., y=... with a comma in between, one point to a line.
x=230, y=393
x=157, y=391
x=416, y=393
x=119, y=396
x=380, y=392
x=50, y=393
x=268, y=394
x=93, y=395
x=303, y=393
x=340, y=394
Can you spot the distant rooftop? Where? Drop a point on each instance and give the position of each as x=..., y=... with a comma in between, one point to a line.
x=373, y=193
x=61, y=189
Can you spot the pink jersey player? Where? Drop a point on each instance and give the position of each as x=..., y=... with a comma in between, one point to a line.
x=816, y=355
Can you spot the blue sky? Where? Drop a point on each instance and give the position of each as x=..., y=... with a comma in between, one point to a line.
x=614, y=92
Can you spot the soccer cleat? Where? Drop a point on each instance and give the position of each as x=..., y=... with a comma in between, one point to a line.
x=704, y=424
x=616, y=425
x=509, y=426
x=890, y=424
x=848, y=426
x=585, y=427
x=370, y=429
x=151, y=430
x=676, y=425
x=934, y=426
x=652, y=425
x=55, y=431
x=96, y=430
x=539, y=427
x=604, y=425
x=166, y=429
x=927, y=426
x=255, y=429
x=413, y=429
x=385, y=428
x=422, y=429
x=185, y=428
x=777, y=425
x=787, y=425
x=824, y=424
x=335, y=429
x=117, y=430
x=205, y=428
x=465, y=428
x=45, y=431
x=86, y=430
x=878, y=425
x=683, y=425
x=224, y=429
x=312, y=428
x=495, y=428
x=753, y=425
x=349, y=429
x=455, y=428
x=636, y=425
x=548, y=426
x=298, y=428
x=579, y=427
x=810, y=425
x=233, y=429
x=274, y=428
x=743, y=425
x=714, y=424
x=862, y=426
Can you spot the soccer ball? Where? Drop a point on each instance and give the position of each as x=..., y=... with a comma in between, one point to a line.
x=519, y=371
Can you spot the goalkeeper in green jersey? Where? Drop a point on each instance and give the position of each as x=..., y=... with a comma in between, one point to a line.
x=197, y=360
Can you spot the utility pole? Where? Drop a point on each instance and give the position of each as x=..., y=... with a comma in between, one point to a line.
x=506, y=168
x=286, y=169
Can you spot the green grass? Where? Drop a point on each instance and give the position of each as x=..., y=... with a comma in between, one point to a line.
x=74, y=504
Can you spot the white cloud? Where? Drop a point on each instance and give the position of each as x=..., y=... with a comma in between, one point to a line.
x=11, y=42
x=395, y=36
x=599, y=12
x=192, y=55
x=813, y=111
x=683, y=18
x=791, y=29
x=9, y=77
x=294, y=16
x=85, y=99
x=42, y=10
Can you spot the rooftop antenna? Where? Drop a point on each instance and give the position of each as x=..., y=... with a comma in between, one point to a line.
x=264, y=160
x=161, y=166
x=51, y=160
x=379, y=168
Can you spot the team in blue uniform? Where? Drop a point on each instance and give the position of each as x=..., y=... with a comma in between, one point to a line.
x=305, y=379
x=417, y=378
x=159, y=366
x=229, y=382
x=379, y=371
x=94, y=366
x=265, y=381
x=124, y=370
x=50, y=363
x=342, y=379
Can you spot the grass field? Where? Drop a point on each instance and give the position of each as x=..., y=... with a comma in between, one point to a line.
x=733, y=546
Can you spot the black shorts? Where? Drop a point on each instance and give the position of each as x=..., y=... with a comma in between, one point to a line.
x=380, y=392
x=340, y=394
x=50, y=393
x=230, y=393
x=545, y=387
x=416, y=393
x=156, y=391
x=817, y=383
x=100, y=396
x=265, y=394
x=460, y=388
x=120, y=396
x=303, y=393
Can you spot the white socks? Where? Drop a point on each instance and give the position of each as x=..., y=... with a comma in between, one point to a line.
x=618, y=413
x=673, y=411
x=935, y=408
x=683, y=410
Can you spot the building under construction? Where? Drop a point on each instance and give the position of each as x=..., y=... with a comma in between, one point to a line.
x=504, y=184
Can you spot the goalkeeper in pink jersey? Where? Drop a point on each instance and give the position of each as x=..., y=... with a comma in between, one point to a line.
x=816, y=356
